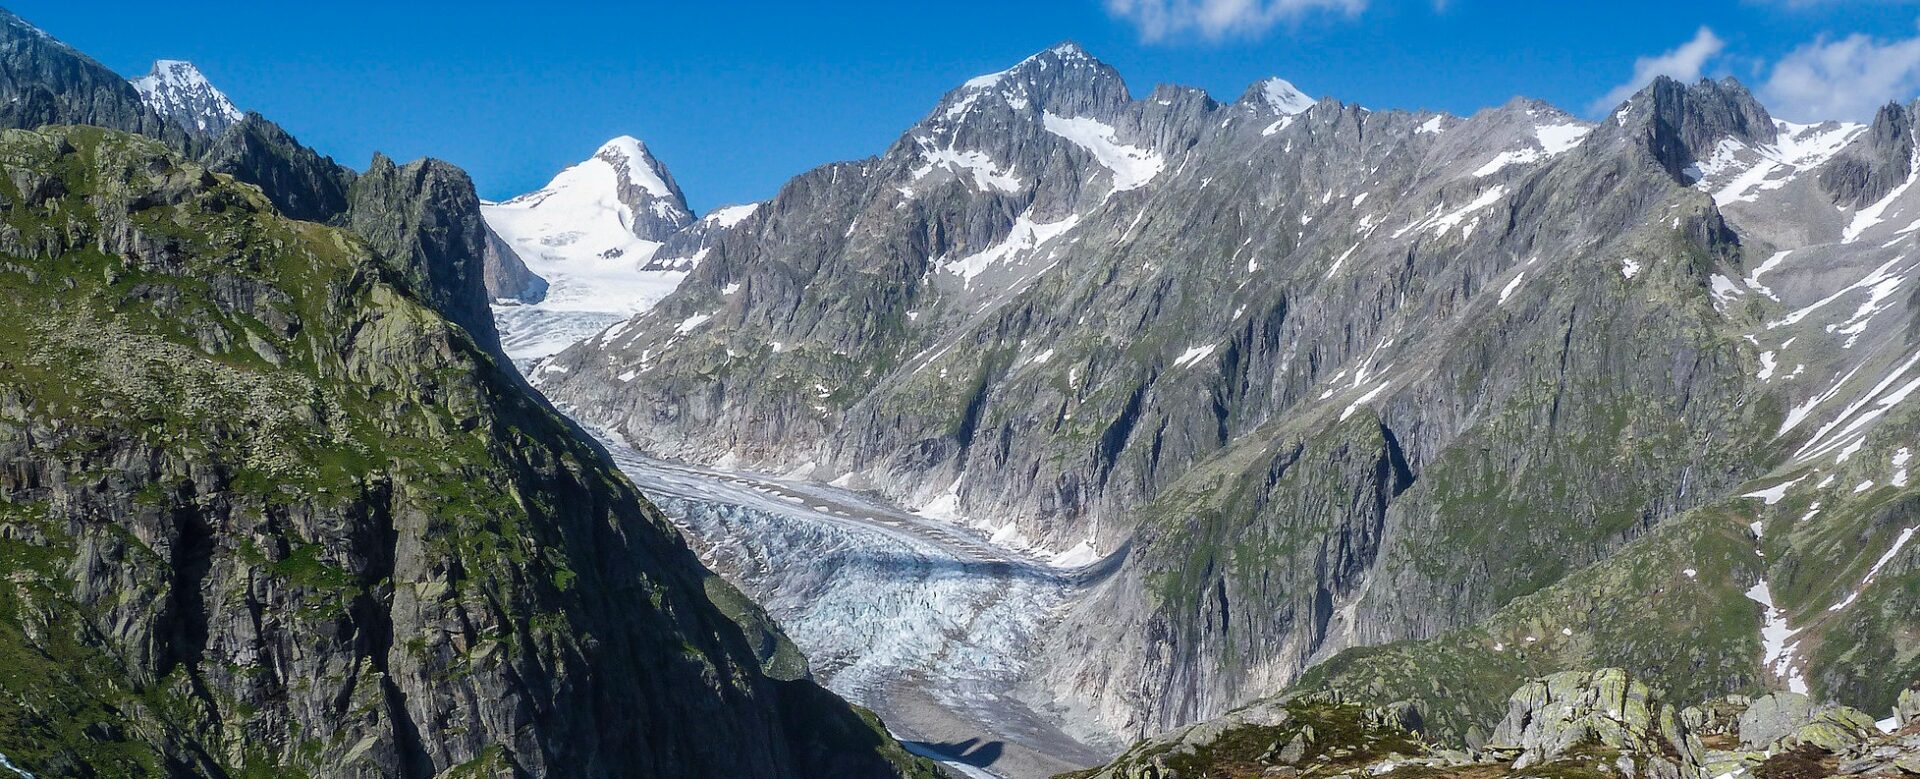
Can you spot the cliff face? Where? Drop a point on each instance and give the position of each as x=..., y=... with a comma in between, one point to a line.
x=425, y=216
x=264, y=511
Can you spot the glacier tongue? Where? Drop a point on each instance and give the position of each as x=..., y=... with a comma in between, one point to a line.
x=922, y=621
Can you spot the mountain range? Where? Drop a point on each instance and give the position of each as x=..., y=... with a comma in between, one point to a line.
x=1396, y=402
x=1338, y=417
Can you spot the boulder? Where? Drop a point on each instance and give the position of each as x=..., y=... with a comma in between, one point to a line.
x=1555, y=716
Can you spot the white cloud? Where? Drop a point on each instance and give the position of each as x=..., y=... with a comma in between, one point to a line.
x=1684, y=64
x=1217, y=19
x=1845, y=78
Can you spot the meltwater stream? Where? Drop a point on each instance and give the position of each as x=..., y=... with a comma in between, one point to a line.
x=921, y=621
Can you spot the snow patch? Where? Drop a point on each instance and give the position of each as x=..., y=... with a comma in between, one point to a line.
x=1283, y=97
x=1193, y=355
x=1363, y=399
x=728, y=216
x=1025, y=236
x=986, y=175
x=1899, y=543
x=1132, y=166
x=1777, y=638
x=1775, y=493
x=1559, y=138
x=1507, y=291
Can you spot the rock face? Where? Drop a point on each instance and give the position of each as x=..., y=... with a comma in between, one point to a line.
x=1876, y=167
x=426, y=217
x=178, y=91
x=301, y=183
x=264, y=512
x=507, y=277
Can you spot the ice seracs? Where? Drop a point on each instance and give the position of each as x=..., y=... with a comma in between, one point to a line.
x=177, y=90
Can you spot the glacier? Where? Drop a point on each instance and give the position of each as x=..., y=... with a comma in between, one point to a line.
x=924, y=621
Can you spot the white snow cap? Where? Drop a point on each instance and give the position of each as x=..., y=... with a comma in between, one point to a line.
x=639, y=163
x=1282, y=96
x=176, y=88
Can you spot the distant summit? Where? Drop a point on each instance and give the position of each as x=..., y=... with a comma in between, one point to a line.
x=179, y=91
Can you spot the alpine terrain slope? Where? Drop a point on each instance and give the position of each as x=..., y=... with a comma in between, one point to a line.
x=1306, y=399
x=271, y=505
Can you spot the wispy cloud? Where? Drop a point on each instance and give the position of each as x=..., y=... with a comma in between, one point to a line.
x=1160, y=20
x=1684, y=63
x=1844, y=78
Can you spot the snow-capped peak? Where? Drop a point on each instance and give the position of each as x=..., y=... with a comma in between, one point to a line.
x=621, y=179
x=642, y=170
x=1283, y=97
x=177, y=90
x=592, y=233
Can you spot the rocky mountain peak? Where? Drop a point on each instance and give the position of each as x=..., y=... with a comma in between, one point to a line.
x=1880, y=163
x=1063, y=80
x=177, y=90
x=622, y=179
x=1681, y=124
x=1276, y=95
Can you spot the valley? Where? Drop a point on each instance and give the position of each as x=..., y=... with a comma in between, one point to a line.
x=1076, y=430
x=928, y=624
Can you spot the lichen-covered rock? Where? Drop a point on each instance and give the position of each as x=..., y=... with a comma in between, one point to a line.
x=1773, y=716
x=1552, y=717
x=1315, y=735
x=1830, y=728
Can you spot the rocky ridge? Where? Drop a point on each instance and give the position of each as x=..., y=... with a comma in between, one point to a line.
x=238, y=500
x=1569, y=725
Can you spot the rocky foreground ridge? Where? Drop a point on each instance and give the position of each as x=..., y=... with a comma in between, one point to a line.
x=272, y=505
x=1571, y=725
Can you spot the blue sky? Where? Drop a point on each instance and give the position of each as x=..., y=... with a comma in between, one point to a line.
x=736, y=97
